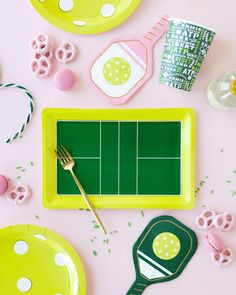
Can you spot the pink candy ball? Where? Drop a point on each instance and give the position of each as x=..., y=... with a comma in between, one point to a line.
x=3, y=185
x=214, y=243
x=64, y=79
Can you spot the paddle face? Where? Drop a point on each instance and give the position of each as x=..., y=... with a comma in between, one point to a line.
x=162, y=252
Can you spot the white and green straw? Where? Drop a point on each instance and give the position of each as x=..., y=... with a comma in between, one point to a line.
x=31, y=105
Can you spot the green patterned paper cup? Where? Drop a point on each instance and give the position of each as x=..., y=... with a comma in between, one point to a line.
x=185, y=49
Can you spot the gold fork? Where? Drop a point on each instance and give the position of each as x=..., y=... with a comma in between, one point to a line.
x=68, y=163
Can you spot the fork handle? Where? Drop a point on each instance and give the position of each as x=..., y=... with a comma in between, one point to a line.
x=90, y=205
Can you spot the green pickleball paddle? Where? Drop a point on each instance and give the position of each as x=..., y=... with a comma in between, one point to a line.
x=161, y=252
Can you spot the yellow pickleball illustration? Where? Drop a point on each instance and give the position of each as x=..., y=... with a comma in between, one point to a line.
x=117, y=71
x=166, y=246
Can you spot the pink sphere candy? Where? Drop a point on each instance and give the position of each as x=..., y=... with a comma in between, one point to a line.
x=3, y=185
x=64, y=79
x=214, y=243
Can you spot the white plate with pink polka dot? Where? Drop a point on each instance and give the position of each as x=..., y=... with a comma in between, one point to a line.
x=36, y=261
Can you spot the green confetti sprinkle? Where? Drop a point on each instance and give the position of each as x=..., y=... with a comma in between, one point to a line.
x=221, y=150
x=234, y=171
x=95, y=225
x=129, y=224
x=36, y=216
x=142, y=213
x=31, y=163
x=91, y=240
x=228, y=181
x=95, y=253
x=18, y=167
x=233, y=193
x=201, y=184
x=106, y=241
x=109, y=250
x=18, y=177
x=113, y=232
x=23, y=170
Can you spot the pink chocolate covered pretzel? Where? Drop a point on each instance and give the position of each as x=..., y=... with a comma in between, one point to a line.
x=205, y=220
x=224, y=222
x=19, y=195
x=223, y=258
x=66, y=52
x=40, y=43
x=41, y=66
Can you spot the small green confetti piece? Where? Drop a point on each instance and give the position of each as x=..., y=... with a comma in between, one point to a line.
x=221, y=150
x=36, y=216
x=203, y=206
x=18, y=177
x=142, y=213
x=212, y=191
x=18, y=167
x=106, y=241
x=91, y=240
x=109, y=250
x=23, y=170
x=234, y=171
x=233, y=193
x=202, y=182
x=95, y=253
x=228, y=181
x=31, y=163
x=113, y=232
x=96, y=226
x=129, y=224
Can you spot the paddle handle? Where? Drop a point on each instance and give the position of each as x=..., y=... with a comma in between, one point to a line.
x=137, y=288
x=156, y=32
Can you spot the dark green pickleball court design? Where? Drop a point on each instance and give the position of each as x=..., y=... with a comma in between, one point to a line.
x=121, y=158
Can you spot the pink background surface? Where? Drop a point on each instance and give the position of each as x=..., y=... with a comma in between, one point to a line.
x=112, y=273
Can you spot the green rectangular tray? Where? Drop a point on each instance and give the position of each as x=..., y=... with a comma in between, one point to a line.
x=124, y=158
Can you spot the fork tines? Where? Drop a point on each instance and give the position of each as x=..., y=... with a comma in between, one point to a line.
x=62, y=154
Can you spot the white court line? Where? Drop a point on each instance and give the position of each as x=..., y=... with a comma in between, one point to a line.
x=137, y=158
x=159, y=158
x=100, y=166
x=87, y=158
x=118, y=158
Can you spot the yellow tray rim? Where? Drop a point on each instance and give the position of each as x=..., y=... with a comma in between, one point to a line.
x=185, y=201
